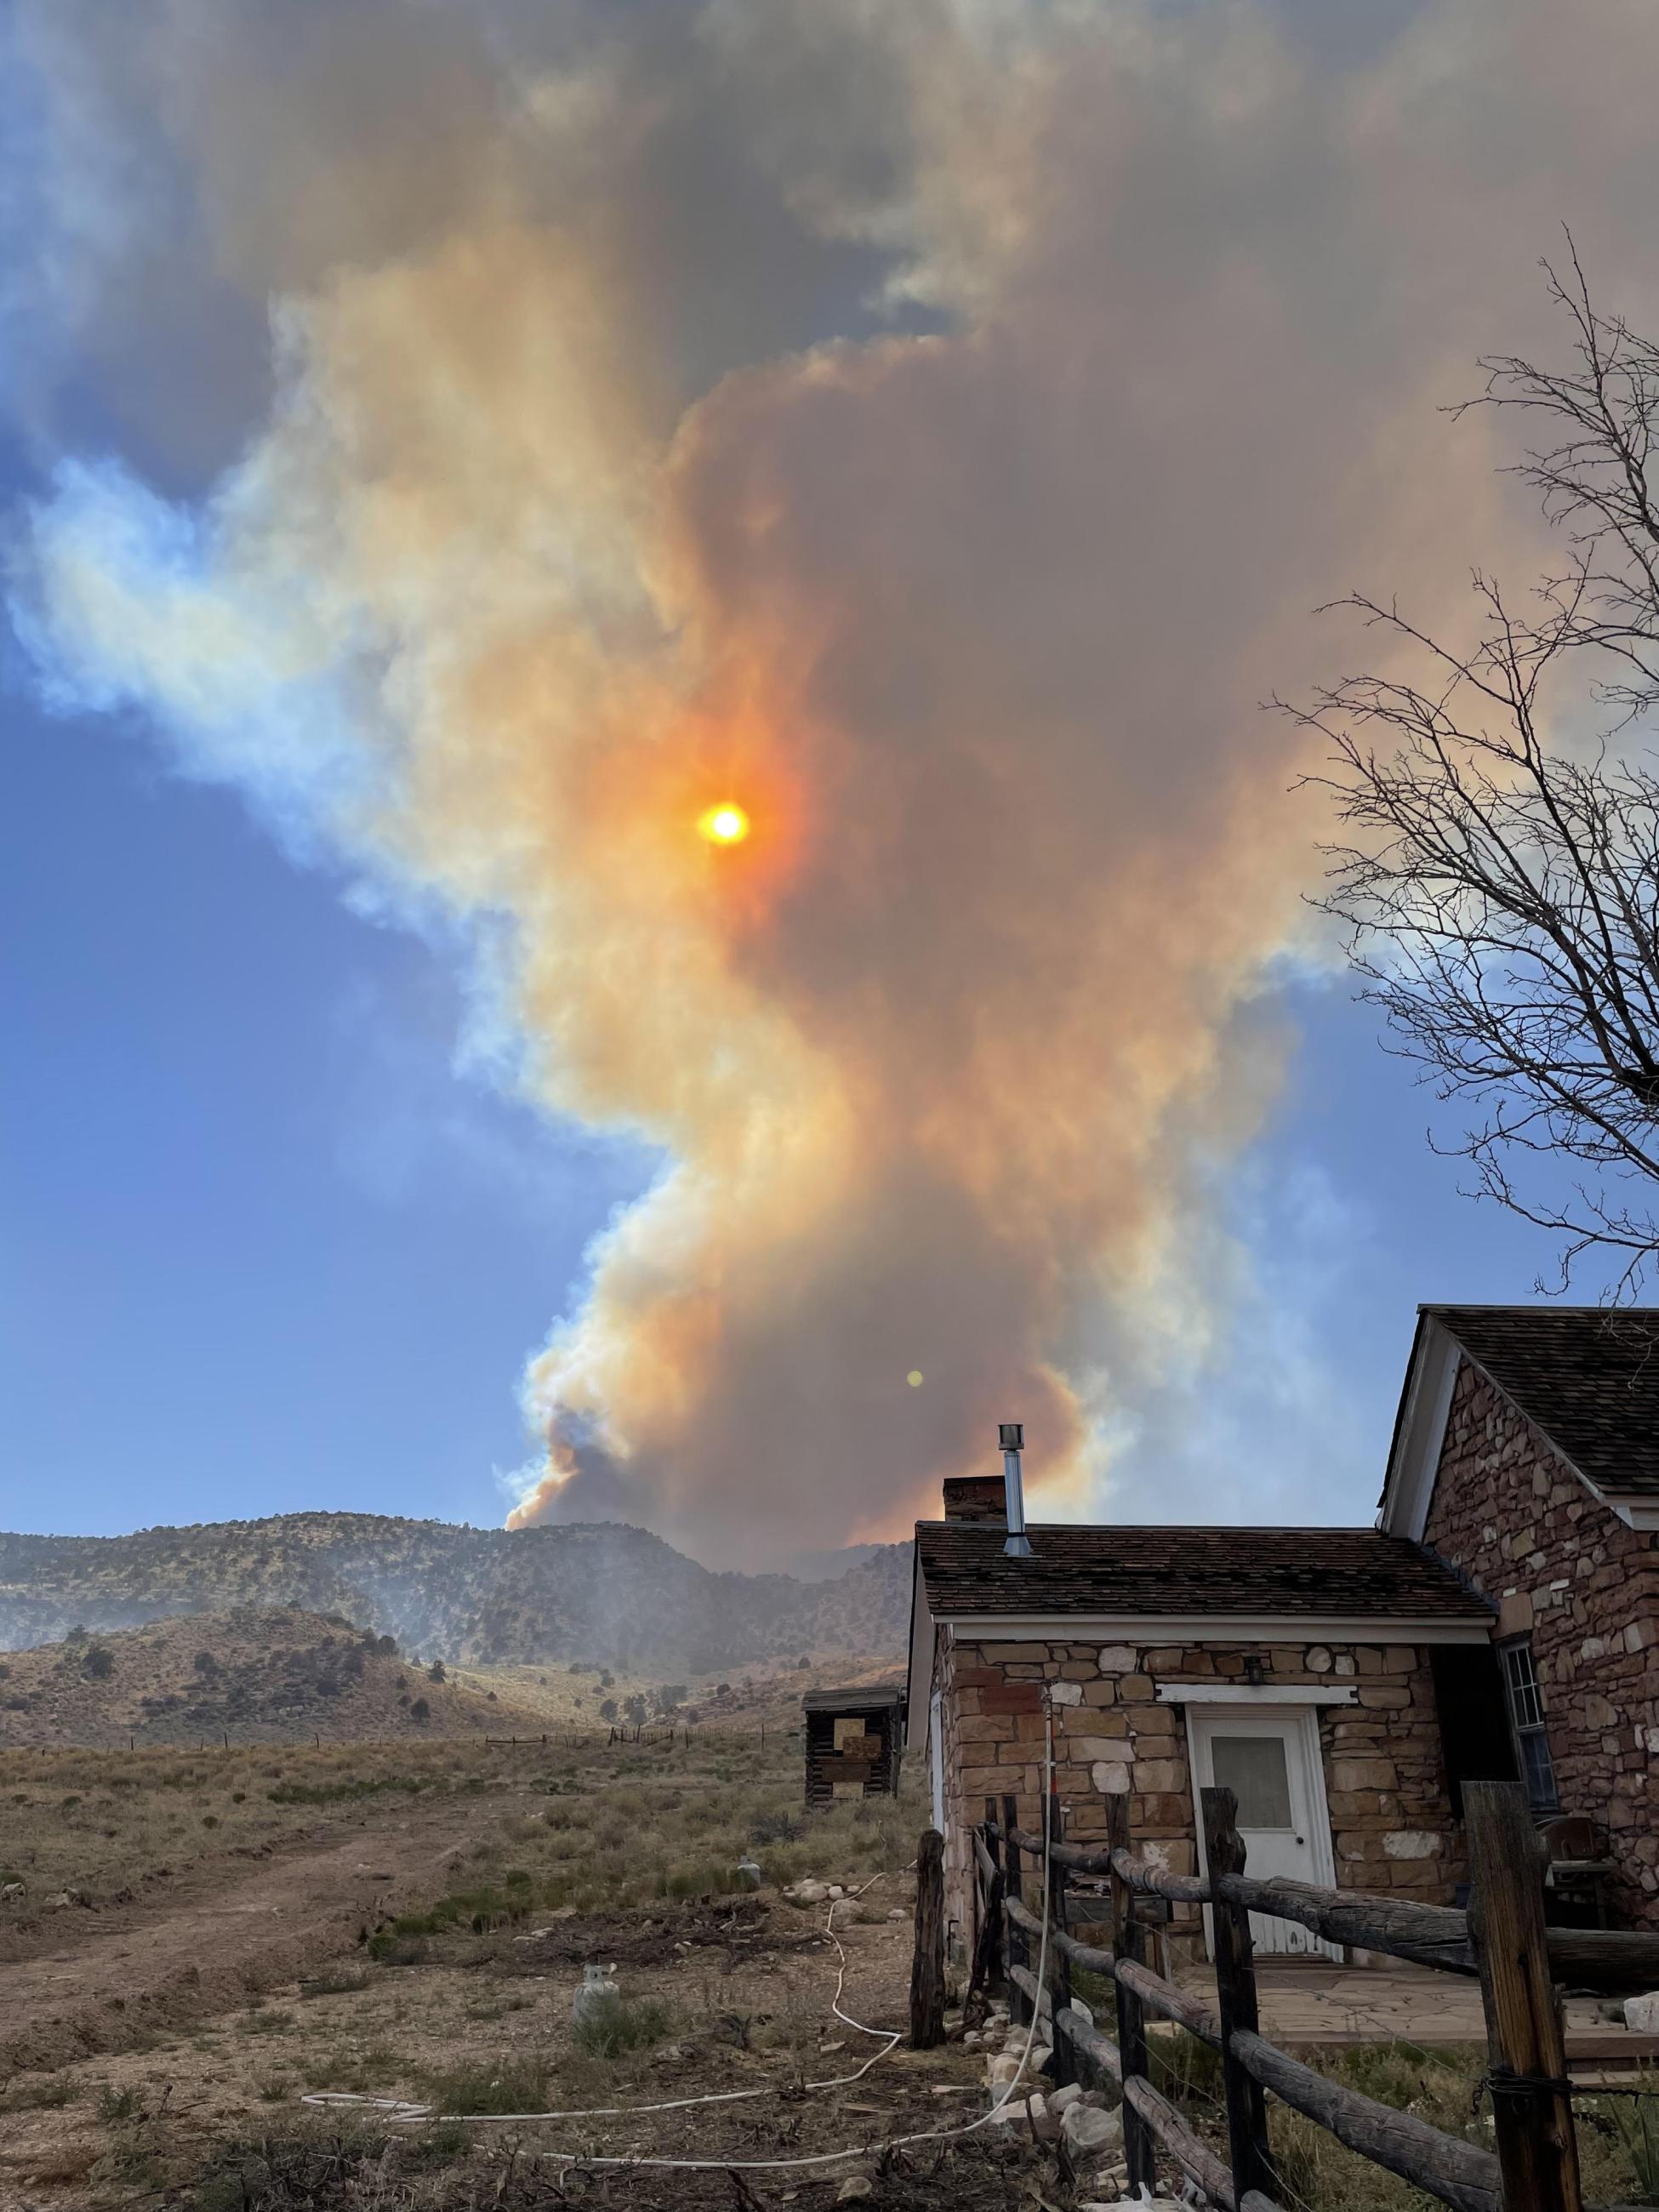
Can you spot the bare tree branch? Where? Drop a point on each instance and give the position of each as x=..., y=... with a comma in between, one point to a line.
x=1501, y=899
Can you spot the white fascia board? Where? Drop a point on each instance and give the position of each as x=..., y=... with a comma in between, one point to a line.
x=1634, y=1512
x=1207, y=1628
x=1415, y=1460
x=923, y=1641
x=1245, y=1693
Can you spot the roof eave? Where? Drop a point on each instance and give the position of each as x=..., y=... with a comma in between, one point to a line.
x=1635, y=1511
x=1473, y=1627
x=919, y=1673
x=1419, y=1429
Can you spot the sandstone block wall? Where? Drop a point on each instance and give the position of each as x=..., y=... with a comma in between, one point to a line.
x=1392, y=1828
x=1517, y=1520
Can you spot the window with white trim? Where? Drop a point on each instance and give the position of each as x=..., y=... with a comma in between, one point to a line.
x=1526, y=1705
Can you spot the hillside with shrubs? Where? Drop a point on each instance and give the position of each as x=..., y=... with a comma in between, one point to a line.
x=599, y=1593
x=251, y=1674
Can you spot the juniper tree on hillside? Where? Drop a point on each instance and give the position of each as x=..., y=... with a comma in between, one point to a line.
x=1499, y=880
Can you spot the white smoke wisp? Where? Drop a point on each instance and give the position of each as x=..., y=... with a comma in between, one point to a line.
x=927, y=427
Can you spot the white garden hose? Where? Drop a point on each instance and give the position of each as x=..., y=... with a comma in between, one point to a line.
x=407, y=2114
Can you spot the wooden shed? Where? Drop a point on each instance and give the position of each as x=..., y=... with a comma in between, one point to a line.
x=852, y=1742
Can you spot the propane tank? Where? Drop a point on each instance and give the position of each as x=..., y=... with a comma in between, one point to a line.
x=597, y=1997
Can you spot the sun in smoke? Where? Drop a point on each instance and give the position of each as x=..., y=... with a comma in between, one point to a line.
x=725, y=824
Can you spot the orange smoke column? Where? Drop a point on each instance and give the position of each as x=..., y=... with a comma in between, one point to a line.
x=921, y=431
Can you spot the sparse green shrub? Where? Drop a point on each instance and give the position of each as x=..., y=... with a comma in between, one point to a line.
x=631, y=2024
x=504, y=2085
x=776, y=1826
x=391, y=1949
x=334, y=1982
x=1633, y=2122
x=41, y=2093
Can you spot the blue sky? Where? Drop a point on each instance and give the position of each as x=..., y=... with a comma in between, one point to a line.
x=421, y=451
x=264, y=1248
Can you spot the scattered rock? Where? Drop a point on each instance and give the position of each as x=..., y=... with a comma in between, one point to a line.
x=897, y=1912
x=808, y=1892
x=1642, y=2012
x=836, y=1892
x=1088, y=2129
x=1002, y=2068
x=13, y=1893
x=1066, y=2095
x=853, y=2188
x=1020, y=2112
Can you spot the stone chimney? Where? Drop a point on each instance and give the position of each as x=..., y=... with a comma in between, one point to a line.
x=977, y=1497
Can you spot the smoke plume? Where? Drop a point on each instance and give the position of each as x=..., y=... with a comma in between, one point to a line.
x=925, y=427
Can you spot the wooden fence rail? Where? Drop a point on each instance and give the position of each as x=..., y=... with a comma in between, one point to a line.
x=1609, y=1959
x=1502, y=1939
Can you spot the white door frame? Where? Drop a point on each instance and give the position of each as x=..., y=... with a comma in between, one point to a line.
x=936, y=1757
x=1303, y=1720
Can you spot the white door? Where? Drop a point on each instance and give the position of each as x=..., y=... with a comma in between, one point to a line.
x=1269, y=1759
x=936, y=1760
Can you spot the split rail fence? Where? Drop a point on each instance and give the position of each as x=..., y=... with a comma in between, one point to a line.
x=1502, y=1940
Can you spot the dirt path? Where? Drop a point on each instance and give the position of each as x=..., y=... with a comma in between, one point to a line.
x=221, y=1935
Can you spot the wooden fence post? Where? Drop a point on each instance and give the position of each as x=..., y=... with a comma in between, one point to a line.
x=1019, y=2005
x=1236, y=2001
x=928, y=1968
x=1139, y=2154
x=1531, y=2103
x=987, y=1972
x=1064, y=2068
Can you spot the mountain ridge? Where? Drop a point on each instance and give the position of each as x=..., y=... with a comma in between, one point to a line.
x=585, y=1590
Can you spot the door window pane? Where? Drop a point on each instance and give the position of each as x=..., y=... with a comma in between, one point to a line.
x=1524, y=1700
x=1538, y=1770
x=1527, y=1715
x=1253, y=1768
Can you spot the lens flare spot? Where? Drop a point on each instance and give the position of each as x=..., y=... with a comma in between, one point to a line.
x=914, y=1378
x=725, y=824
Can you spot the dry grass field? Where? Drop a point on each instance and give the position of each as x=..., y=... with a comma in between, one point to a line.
x=384, y=1922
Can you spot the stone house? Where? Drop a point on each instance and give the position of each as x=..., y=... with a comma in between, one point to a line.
x=1304, y=1667
x=1502, y=1619
x=1526, y=1456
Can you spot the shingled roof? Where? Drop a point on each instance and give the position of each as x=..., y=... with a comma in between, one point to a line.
x=1587, y=1375
x=1243, y=1573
